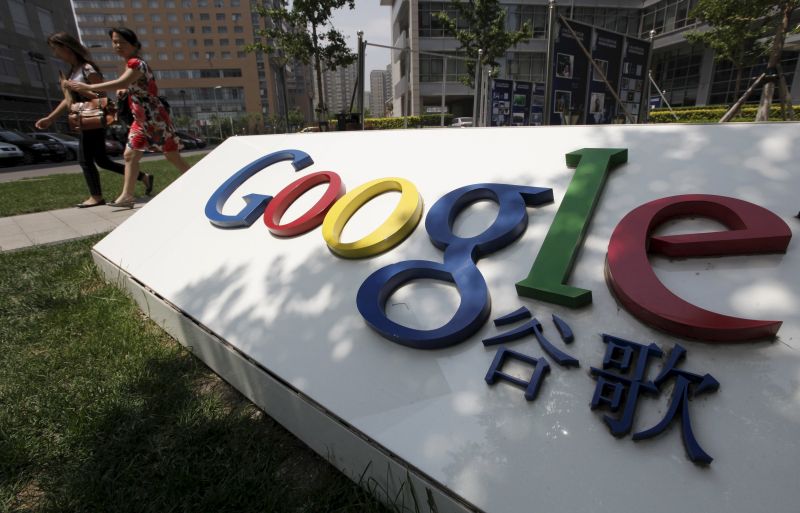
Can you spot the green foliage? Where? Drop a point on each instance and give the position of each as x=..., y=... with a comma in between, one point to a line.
x=400, y=122
x=63, y=191
x=705, y=114
x=304, y=33
x=486, y=30
x=103, y=412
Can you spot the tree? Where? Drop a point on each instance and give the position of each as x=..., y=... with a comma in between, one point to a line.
x=304, y=33
x=485, y=22
x=736, y=31
x=781, y=12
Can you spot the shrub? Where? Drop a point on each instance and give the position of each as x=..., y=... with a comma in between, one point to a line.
x=708, y=114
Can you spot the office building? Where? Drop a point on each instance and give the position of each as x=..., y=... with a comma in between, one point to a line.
x=380, y=84
x=197, y=49
x=339, y=89
x=687, y=73
x=28, y=70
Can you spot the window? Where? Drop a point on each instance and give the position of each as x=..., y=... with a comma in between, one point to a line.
x=222, y=29
x=191, y=43
x=141, y=31
x=189, y=30
x=152, y=4
x=138, y=17
x=241, y=55
x=136, y=4
x=226, y=55
x=238, y=29
x=678, y=72
x=235, y=3
x=224, y=42
x=195, y=56
x=176, y=43
x=172, y=17
x=186, y=3
x=528, y=66
x=169, y=4
x=723, y=85
x=158, y=30
x=8, y=71
x=155, y=18
x=205, y=29
x=240, y=42
x=204, y=16
x=45, y=21
x=534, y=15
x=208, y=42
x=188, y=16
x=174, y=30
x=431, y=68
x=236, y=17
x=178, y=56
x=220, y=16
x=210, y=55
x=160, y=43
x=20, y=17
x=667, y=16
x=162, y=56
x=202, y=3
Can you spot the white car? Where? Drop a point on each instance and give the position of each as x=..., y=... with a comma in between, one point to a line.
x=10, y=154
x=70, y=143
x=462, y=122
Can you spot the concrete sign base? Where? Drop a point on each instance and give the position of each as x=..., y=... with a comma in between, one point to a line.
x=277, y=318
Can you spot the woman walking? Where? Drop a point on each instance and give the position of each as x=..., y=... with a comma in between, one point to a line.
x=92, y=147
x=152, y=127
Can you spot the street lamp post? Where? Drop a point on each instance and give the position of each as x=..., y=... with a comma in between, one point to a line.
x=219, y=114
x=39, y=59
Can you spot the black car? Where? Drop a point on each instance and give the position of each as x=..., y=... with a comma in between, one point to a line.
x=198, y=141
x=33, y=150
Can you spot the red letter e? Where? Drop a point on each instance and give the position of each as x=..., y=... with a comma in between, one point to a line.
x=752, y=229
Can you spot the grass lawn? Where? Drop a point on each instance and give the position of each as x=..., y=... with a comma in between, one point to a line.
x=101, y=411
x=63, y=191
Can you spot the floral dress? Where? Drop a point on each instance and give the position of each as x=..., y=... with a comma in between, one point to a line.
x=152, y=128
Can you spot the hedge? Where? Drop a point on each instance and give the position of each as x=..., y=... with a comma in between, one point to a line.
x=413, y=122
x=709, y=114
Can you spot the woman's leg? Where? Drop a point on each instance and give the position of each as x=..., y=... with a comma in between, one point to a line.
x=132, y=158
x=176, y=160
x=90, y=174
x=102, y=159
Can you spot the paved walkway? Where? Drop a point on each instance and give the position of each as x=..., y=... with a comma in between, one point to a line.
x=18, y=232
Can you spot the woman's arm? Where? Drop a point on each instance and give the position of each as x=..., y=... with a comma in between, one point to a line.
x=130, y=76
x=45, y=122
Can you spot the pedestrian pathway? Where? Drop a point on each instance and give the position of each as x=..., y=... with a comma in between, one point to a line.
x=18, y=232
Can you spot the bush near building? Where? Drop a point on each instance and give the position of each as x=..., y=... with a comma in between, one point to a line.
x=413, y=122
x=709, y=114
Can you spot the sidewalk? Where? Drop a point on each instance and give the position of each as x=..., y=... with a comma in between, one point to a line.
x=18, y=232
x=23, y=231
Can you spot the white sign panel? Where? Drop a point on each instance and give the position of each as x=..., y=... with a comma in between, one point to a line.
x=289, y=305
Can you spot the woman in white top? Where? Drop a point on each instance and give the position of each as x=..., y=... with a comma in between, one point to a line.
x=92, y=142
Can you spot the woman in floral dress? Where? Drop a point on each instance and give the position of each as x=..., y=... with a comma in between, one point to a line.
x=152, y=127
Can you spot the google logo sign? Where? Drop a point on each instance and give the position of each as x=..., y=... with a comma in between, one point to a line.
x=751, y=229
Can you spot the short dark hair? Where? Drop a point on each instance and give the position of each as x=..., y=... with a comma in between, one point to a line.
x=127, y=34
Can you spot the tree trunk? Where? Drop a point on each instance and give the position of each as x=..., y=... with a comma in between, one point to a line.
x=774, y=60
x=321, y=109
x=786, y=96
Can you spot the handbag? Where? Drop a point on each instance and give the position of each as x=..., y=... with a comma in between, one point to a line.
x=92, y=114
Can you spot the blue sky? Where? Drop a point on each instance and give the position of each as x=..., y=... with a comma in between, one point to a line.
x=374, y=20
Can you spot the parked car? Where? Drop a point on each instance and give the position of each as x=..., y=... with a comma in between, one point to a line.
x=70, y=142
x=10, y=154
x=462, y=122
x=114, y=148
x=33, y=150
x=198, y=141
x=187, y=141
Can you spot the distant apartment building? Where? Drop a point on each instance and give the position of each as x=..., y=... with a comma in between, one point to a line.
x=686, y=72
x=377, y=105
x=339, y=89
x=28, y=71
x=197, y=51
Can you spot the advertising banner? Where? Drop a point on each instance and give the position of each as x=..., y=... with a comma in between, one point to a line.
x=607, y=54
x=521, y=103
x=501, y=102
x=536, y=117
x=634, y=74
x=570, y=74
